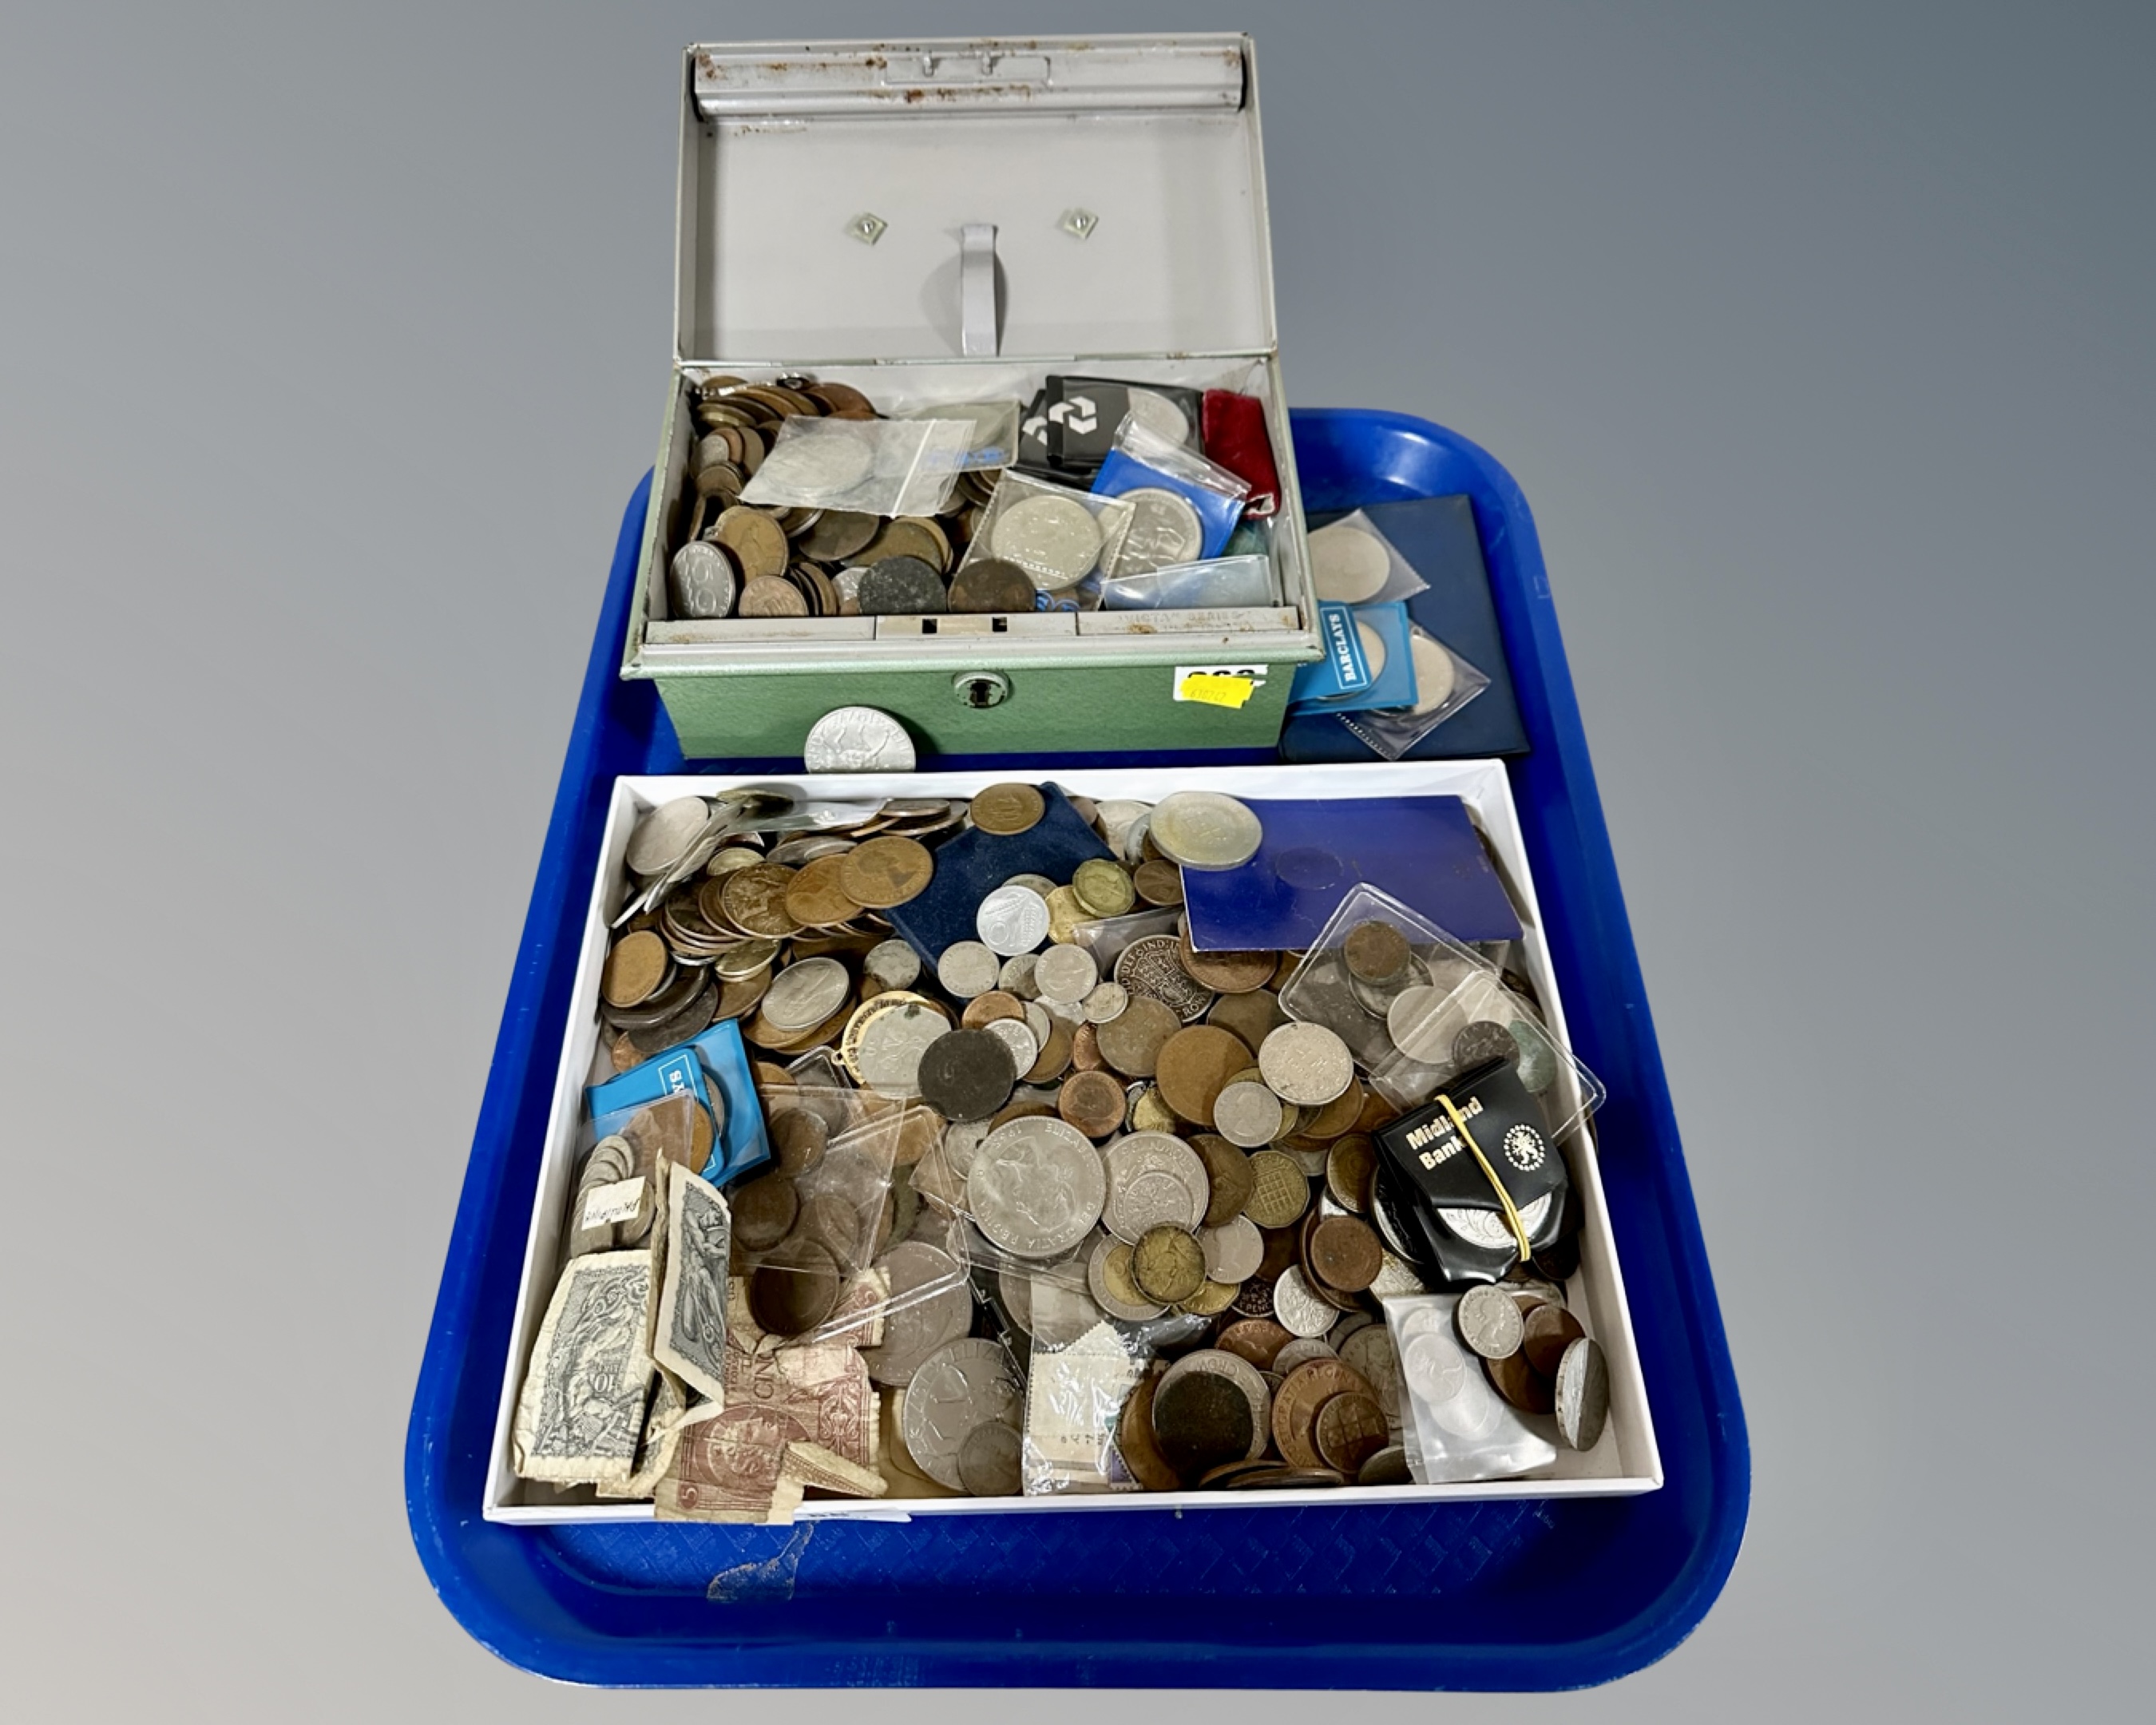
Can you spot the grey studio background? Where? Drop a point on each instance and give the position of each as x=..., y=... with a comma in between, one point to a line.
x=1817, y=337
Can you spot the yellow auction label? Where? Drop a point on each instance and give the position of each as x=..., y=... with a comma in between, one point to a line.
x=1218, y=685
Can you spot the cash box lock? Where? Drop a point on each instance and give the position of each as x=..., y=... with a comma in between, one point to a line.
x=982, y=688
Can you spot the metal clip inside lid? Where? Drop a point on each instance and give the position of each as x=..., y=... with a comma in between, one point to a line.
x=977, y=310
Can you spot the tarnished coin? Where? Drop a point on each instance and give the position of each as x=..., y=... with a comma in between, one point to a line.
x=1490, y=1322
x=666, y=834
x=989, y=1461
x=635, y=969
x=990, y=586
x=1233, y=1251
x=857, y=739
x=1520, y=1384
x=1234, y=1368
x=821, y=458
x=754, y=899
x=770, y=596
x=892, y=964
x=1351, y=1166
x=886, y=1045
x=886, y=870
x=1194, y=1066
x=815, y=898
x=1169, y=1264
x=757, y=543
x=1012, y=920
x=1297, y=1306
x=1349, y=565
x=1065, y=973
x=1549, y=1331
x=1158, y=882
x=1351, y=1429
x=1135, y=1444
x=1106, y=1001
x=1228, y=1175
x=1055, y=540
x=1345, y=1253
x=1538, y=1057
x=1388, y=1467
x=1199, y=1421
x=968, y=968
x=1371, y=1352
x=1016, y=976
x=1036, y=1187
x=1164, y=529
x=930, y=1307
x=803, y=995
x=1006, y=809
x=701, y=581
x=1152, y=966
x=966, y=1075
x=1376, y=952
x=964, y=1386
x=1206, y=829
x=837, y=534
x=1583, y=1393
x=1481, y=1042
x=1091, y=1102
x=1237, y=973
x=1258, y=1340
x=798, y=1139
x=1306, y=1065
x=1103, y=888
x=901, y=587
x=1278, y=1193
x=1248, y=1114
x=1132, y=1042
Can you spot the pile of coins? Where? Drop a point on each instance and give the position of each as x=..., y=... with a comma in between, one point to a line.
x=1096, y=1122
x=1536, y=1355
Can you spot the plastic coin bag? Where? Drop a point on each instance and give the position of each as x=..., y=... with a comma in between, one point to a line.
x=1444, y=683
x=1456, y=1427
x=1056, y=535
x=1187, y=505
x=1074, y=1397
x=887, y=467
x=1352, y=563
x=1236, y=582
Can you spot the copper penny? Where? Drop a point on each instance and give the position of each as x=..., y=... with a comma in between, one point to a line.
x=1201, y=1421
x=1521, y=1385
x=757, y=541
x=1228, y=973
x=984, y=1009
x=635, y=969
x=1229, y=1170
x=1351, y=1429
x=1252, y=1017
x=989, y=585
x=1086, y=1055
x=1134, y=1437
x=798, y=1139
x=815, y=899
x=755, y=900
x=1258, y=1340
x=884, y=870
x=792, y=1292
x=1376, y=952
x=1158, y=882
x=1296, y=1404
x=764, y=1210
x=1132, y=1041
x=772, y=596
x=1337, y=1117
x=1195, y=1065
x=1550, y=1330
x=1351, y=1167
x=1006, y=809
x=1093, y=1102
x=1281, y=1244
x=1346, y=1253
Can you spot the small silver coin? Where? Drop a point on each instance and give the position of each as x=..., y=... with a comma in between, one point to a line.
x=1106, y=1002
x=1583, y=1393
x=1234, y=1251
x=857, y=739
x=1011, y=920
x=1306, y=1065
x=1300, y=1311
x=894, y=963
x=968, y=968
x=1300, y=1352
x=1247, y=1114
x=700, y=582
x=1159, y=415
x=1489, y=1322
x=989, y=1461
x=1065, y=973
x=1016, y=976
x=1016, y=1035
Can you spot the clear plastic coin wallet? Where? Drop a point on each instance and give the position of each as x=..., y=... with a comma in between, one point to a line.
x=888, y=467
x=1058, y=536
x=1352, y=563
x=1142, y=459
x=1227, y=582
x=1457, y=1427
x=1444, y=683
x=992, y=431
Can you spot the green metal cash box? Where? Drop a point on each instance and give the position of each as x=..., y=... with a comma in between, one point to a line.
x=953, y=221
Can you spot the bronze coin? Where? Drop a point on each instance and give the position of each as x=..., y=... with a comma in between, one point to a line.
x=790, y=1293
x=984, y=1009
x=755, y=900
x=814, y=898
x=900, y=587
x=1194, y=1066
x=1103, y=889
x=1287, y=1479
x=842, y=398
x=798, y=1139
x=1086, y=1055
x=1132, y=1041
x=1169, y=1263
x=770, y=596
x=634, y=970
x=1303, y=1393
x=1252, y=1017
x=764, y=1210
x=1027, y=1109
x=1055, y=1057
x=1285, y=971
x=1254, y=1299
x=1351, y=1429
x=833, y=1223
x=886, y=870
x=740, y=995
x=1345, y=1253
x=1337, y=1116
x=624, y=1054
x=837, y=534
x=1376, y=952
x=1229, y=1169
x=1388, y=1467
x=1158, y=882
x=1007, y=809
x=1199, y=1421
x=1281, y=1250
x=1550, y=1330
x=966, y=1075
x=1228, y=973
x=990, y=586
x=1520, y=1384
x=1211, y=1300
x=1481, y=1042
x=757, y=543
x=1351, y=1166
x=1258, y=1340
x=1229, y=1472
x=913, y=537
x=1135, y=1441
x=1093, y=1102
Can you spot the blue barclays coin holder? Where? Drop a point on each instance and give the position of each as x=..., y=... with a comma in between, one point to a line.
x=1368, y=661
x=1142, y=459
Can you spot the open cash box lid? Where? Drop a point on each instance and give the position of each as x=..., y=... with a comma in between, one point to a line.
x=827, y=193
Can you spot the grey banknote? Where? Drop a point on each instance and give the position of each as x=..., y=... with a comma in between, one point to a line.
x=690, y=1337
x=580, y=1416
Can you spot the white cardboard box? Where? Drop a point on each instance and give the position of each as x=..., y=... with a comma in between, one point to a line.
x=1627, y=1460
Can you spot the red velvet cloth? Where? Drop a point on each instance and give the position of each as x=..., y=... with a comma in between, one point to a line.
x=1233, y=427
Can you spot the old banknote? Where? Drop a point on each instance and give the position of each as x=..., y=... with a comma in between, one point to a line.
x=581, y=1413
x=690, y=1337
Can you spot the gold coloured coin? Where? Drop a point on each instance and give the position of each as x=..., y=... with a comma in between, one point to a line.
x=1064, y=913
x=1009, y=809
x=771, y=596
x=1168, y=1264
x=814, y=897
x=1211, y=1300
x=1278, y=1193
x=886, y=870
x=755, y=900
x=1103, y=889
x=635, y=969
x=1150, y=1113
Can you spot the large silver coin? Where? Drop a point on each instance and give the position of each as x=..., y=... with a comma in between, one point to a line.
x=1153, y=1180
x=1164, y=529
x=1065, y=973
x=664, y=836
x=700, y=582
x=1306, y=1065
x=1489, y=1229
x=1206, y=829
x=1106, y=1002
x=962, y=1388
x=1489, y=1322
x=1583, y=1393
x=1348, y=564
x=803, y=995
x=1436, y=674
x=1219, y=1363
x=932, y=1306
x=1011, y=920
x=888, y=1056
x=857, y=739
x=1054, y=540
x=1159, y=415
x=824, y=461
x=1036, y=1187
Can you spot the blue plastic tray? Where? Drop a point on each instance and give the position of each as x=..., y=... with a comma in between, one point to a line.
x=1531, y=1594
